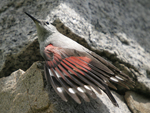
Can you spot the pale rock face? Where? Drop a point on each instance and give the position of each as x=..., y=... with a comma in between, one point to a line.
x=118, y=30
x=23, y=92
x=137, y=103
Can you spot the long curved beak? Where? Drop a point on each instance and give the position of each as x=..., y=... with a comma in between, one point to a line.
x=34, y=19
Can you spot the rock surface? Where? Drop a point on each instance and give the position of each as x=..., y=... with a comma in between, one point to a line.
x=23, y=92
x=117, y=30
x=137, y=103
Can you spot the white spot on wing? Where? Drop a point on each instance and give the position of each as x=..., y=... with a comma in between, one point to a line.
x=50, y=72
x=87, y=87
x=80, y=89
x=119, y=78
x=57, y=74
x=71, y=90
x=105, y=81
x=60, y=90
x=114, y=79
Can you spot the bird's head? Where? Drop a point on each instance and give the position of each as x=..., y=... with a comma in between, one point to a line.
x=44, y=28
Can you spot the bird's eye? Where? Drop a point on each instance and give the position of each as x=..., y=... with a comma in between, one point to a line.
x=47, y=23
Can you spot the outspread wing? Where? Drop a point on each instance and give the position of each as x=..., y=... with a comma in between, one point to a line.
x=77, y=73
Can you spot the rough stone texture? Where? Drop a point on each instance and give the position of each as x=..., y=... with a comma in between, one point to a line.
x=117, y=30
x=23, y=92
x=137, y=103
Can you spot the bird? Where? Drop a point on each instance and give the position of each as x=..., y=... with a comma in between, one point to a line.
x=74, y=70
